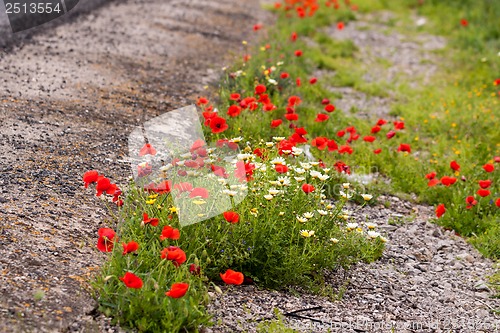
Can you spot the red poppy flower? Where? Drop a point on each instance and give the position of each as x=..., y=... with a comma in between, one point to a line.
x=440, y=210
x=307, y=188
x=332, y=145
x=178, y=290
x=292, y=116
x=208, y=117
x=281, y=168
x=199, y=192
x=464, y=22
x=399, y=125
x=485, y=183
x=404, y=147
x=496, y=159
x=202, y=101
x=471, y=202
x=329, y=108
x=174, y=254
x=260, y=89
x=275, y=123
x=146, y=220
x=103, y=185
x=341, y=167
x=147, y=149
x=298, y=53
x=381, y=122
x=194, y=269
x=376, y=129
x=369, y=138
x=234, y=96
x=340, y=133
x=244, y=171
x=340, y=25
x=131, y=280
x=284, y=75
x=483, y=193
x=345, y=149
x=433, y=182
x=298, y=136
x=294, y=101
x=232, y=277
x=90, y=177
x=488, y=167
x=218, y=124
x=431, y=175
x=130, y=247
x=390, y=134
x=106, y=239
x=231, y=217
x=447, y=181
x=170, y=233
x=454, y=165
x=320, y=142
x=234, y=110
x=257, y=27
x=294, y=36
x=298, y=82
x=285, y=145
x=497, y=202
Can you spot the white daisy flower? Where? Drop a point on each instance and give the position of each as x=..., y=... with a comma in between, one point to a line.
x=269, y=144
x=245, y=156
x=273, y=191
x=268, y=197
x=284, y=181
x=278, y=160
x=305, y=166
x=301, y=219
x=345, y=195
x=307, y=233
x=346, y=185
x=351, y=226
x=314, y=173
x=299, y=171
x=367, y=197
x=230, y=193
x=300, y=179
x=334, y=240
x=278, y=138
x=371, y=225
x=373, y=234
x=297, y=151
x=323, y=177
x=308, y=215
x=322, y=212
x=236, y=140
x=166, y=167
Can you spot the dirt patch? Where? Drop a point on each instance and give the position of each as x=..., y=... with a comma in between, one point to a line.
x=69, y=98
x=389, y=57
